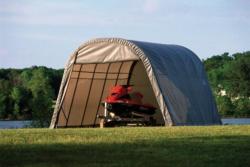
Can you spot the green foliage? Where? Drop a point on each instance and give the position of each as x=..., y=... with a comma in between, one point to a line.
x=3, y=111
x=21, y=98
x=242, y=107
x=216, y=78
x=225, y=106
x=16, y=96
x=5, y=101
x=232, y=75
x=217, y=61
x=238, y=75
x=42, y=97
x=28, y=93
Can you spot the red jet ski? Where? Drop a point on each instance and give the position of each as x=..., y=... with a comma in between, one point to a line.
x=124, y=103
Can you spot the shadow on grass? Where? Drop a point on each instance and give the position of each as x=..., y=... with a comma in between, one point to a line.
x=188, y=151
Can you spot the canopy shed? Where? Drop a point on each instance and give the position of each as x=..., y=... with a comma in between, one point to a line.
x=170, y=77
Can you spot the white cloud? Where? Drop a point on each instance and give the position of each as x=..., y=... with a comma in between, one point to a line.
x=150, y=6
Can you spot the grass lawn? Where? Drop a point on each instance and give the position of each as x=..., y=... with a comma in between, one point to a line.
x=138, y=146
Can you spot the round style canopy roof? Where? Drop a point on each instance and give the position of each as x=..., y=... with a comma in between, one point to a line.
x=176, y=75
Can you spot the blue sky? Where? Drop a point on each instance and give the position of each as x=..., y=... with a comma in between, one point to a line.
x=46, y=32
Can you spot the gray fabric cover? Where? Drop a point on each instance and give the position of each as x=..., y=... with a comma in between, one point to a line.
x=176, y=74
x=183, y=83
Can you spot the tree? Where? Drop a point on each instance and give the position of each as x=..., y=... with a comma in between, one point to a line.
x=26, y=76
x=42, y=98
x=3, y=111
x=16, y=95
x=27, y=93
x=217, y=61
x=237, y=75
x=215, y=68
x=242, y=107
x=215, y=79
x=225, y=105
x=21, y=97
x=5, y=102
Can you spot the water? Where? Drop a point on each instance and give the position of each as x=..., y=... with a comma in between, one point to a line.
x=14, y=124
x=235, y=121
x=26, y=123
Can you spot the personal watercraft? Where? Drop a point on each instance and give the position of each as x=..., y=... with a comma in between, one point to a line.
x=124, y=106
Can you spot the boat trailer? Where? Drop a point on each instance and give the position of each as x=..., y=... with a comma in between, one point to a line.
x=124, y=107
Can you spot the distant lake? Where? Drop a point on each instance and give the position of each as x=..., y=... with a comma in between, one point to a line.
x=14, y=124
x=235, y=121
x=26, y=123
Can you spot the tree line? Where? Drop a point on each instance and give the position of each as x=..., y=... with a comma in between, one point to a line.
x=30, y=93
x=229, y=77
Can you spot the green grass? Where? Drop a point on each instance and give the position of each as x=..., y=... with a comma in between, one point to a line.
x=144, y=146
